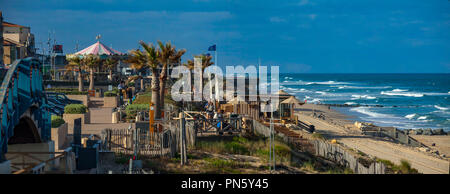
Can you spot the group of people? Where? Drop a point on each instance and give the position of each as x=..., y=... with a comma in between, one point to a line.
x=125, y=90
x=212, y=113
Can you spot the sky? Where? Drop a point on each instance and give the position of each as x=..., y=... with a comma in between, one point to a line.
x=301, y=36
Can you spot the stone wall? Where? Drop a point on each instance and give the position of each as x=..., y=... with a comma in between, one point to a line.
x=110, y=102
x=59, y=136
x=30, y=147
x=85, y=118
x=393, y=133
x=83, y=98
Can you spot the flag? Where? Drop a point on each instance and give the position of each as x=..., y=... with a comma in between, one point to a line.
x=212, y=48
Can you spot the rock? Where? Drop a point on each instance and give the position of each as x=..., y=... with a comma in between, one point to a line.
x=418, y=131
x=433, y=144
x=439, y=132
x=443, y=155
x=427, y=132
x=435, y=152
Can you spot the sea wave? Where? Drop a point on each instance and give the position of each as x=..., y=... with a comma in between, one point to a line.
x=422, y=118
x=440, y=108
x=350, y=103
x=300, y=82
x=326, y=83
x=408, y=94
x=411, y=116
x=399, y=90
x=355, y=97
x=362, y=87
x=366, y=111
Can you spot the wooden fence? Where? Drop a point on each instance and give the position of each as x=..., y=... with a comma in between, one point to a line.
x=141, y=142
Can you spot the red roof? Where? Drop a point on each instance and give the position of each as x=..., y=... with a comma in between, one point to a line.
x=7, y=24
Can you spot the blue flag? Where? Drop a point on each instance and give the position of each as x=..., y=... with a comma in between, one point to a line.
x=212, y=48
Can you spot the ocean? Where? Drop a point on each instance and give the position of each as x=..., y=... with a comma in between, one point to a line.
x=405, y=101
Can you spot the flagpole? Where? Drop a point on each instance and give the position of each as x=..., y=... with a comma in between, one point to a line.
x=216, y=77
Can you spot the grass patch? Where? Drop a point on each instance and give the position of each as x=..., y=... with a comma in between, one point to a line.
x=318, y=136
x=403, y=168
x=132, y=109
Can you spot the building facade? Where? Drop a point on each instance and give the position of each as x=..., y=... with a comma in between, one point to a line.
x=19, y=42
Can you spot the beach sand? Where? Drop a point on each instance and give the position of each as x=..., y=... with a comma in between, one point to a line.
x=442, y=142
x=333, y=127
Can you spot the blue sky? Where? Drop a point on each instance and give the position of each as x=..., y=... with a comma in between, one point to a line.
x=301, y=36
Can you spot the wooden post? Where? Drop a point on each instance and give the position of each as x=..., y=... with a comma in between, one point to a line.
x=183, y=139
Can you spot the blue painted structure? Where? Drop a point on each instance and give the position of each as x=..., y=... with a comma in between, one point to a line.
x=21, y=92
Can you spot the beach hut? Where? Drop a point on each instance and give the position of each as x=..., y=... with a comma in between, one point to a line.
x=282, y=95
x=235, y=102
x=287, y=107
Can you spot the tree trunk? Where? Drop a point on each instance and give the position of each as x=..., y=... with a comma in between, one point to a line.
x=110, y=75
x=155, y=93
x=142, y=84
x=91, y=79
x=80, y=81
x=162, y=86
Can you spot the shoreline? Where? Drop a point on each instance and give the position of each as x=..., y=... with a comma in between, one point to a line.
x=346, y=122
x=437, y=130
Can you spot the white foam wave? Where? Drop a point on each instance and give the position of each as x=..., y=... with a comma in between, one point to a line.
x=366, y=111
x=362, y=87
x=399, y=90
x=422, y=118
x=408, y=94
x=440, y=108
x=350, y=103
x=410, y=116
x=326, y=83
x=355, y=97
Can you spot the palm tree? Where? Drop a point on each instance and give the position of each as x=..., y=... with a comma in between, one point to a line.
x=206, y=62
x=92, y=62
x=148, y=59
x=76, y=63
x=169, y=57
x=166, y=51
x=110, y=64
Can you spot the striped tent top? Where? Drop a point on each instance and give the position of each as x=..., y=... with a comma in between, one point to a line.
x=98, y=49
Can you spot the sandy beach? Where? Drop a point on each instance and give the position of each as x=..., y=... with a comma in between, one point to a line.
x=336, y=126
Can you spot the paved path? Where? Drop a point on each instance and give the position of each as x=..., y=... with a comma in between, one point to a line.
x=100, y=119
x=423, y=162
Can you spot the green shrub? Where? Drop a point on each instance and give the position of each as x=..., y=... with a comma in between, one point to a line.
x=57, y=121
x=405, y=168
x=75, y=109
x=67, y=91
x=110, y=94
